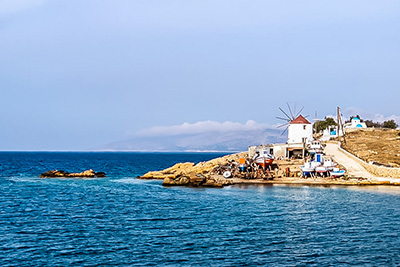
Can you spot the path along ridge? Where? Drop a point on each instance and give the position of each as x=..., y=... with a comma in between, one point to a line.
x=353, y=167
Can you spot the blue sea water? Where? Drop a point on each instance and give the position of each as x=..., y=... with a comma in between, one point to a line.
x=123, y=221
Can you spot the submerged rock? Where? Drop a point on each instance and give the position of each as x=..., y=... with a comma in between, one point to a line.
x=85, y=174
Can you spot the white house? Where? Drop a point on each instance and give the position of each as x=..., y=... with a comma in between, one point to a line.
x=300, y=131
x=355, y=123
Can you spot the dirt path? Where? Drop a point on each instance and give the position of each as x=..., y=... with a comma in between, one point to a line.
x=354, y=168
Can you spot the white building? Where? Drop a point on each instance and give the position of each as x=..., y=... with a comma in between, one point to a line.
x=300, y=134
x=331, y=132
x=355, y=123
x=300, y=131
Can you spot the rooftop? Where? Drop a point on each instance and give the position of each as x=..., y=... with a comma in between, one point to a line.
x=300, y=120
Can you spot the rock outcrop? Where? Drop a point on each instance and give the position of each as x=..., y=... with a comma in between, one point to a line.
x=190, y=174
x=60, y=174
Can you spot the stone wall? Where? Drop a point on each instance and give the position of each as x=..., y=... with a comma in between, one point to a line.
x=381, y=171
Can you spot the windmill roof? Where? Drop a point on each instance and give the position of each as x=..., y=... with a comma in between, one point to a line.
x=300, y=120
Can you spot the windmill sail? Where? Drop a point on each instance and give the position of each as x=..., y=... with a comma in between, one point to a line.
x=289, y=116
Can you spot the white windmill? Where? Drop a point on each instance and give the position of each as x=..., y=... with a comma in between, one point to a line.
x=298, y=127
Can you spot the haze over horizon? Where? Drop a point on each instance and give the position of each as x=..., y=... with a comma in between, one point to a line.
x=87, y=75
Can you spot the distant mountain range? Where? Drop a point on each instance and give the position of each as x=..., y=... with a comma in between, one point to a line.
x=238, y=140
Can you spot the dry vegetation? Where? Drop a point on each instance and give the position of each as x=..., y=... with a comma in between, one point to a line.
x=378, y=145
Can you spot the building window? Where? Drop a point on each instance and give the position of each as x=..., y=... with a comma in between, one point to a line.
x=304, y=127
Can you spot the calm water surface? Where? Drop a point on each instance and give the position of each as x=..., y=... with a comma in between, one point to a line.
x=123, y=221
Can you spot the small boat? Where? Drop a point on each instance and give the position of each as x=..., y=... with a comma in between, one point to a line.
x=315, y=164
x=315, y=147
x=263, y=158
x=308, y=169
x=323, y=166
x=329, y=163
x=322, y=170
x=264, y=161
x=336, y=173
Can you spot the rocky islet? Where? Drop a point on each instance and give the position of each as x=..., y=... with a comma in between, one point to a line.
x=63, y=174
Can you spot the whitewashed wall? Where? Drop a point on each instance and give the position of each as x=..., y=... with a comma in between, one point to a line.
x=299, y=131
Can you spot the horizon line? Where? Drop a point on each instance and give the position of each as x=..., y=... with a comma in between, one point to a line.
x=130, y=151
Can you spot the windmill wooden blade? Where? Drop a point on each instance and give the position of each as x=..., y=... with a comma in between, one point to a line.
x=280, y=126
x=284, y=130
x=285, y=114
x=299, y=111
x=290, y=110
x=284, y=119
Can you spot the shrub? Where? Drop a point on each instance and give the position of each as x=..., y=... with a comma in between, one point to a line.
x=322, y=125
x=374, y=124
x=390, y=124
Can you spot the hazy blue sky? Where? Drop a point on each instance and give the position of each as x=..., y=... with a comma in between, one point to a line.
x=79, y=74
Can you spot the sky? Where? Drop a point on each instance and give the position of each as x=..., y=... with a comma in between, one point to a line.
x=77, y=75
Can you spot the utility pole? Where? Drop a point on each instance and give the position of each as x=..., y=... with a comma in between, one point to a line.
x=340, y=124
x=315, y=123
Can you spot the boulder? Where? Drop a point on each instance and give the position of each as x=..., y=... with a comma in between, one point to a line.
x=181, y=180
x=198, y=180
x=100, y=174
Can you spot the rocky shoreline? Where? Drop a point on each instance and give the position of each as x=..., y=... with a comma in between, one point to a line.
x=207, y=174
x=190, y=174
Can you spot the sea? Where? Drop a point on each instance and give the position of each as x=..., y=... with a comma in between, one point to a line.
x=123, y=221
